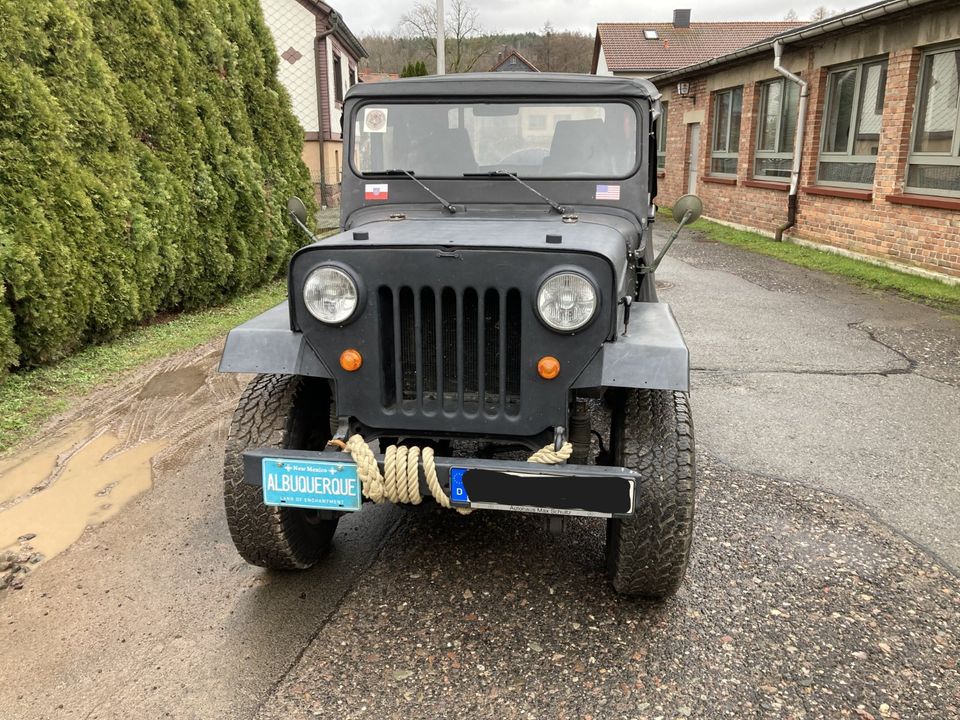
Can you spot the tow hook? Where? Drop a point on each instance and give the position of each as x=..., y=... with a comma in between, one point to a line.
x=559, y=437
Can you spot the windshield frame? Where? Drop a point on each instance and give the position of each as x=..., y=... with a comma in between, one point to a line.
x=499, y=100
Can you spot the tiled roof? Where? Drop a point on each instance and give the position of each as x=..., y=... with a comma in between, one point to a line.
x=514, y=53
x=369, y=76
x=625, y=48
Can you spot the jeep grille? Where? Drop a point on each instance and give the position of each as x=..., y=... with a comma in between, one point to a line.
x=450, y=350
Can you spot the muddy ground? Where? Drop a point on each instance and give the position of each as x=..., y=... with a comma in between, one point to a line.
x=823, y=581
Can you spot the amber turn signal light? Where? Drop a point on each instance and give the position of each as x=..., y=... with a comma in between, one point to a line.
x=351, y=360
x=548, y=367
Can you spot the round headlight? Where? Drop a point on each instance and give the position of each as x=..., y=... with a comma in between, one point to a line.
x=330, y=295
x=567, y=301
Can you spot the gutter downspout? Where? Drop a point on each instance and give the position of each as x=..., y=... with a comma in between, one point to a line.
x=797, y=141
x=319, y=43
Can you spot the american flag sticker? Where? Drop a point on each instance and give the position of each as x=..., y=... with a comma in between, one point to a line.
x=608, y=192
x=379, y=192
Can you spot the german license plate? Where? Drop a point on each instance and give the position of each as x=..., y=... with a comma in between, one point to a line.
x=311, y=484
x=587, y=495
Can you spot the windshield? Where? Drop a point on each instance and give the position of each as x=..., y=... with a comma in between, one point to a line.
x=528, y=139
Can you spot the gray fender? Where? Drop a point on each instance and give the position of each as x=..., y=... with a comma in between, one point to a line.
x=652, y=355
x=266, y=344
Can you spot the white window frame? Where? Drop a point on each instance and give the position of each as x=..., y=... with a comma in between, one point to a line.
x=847, y=156
x=781, y=141
x=662, y=137
x=730, y=140
x=950, y=157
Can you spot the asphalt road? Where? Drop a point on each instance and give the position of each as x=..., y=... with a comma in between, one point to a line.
x=823, y=581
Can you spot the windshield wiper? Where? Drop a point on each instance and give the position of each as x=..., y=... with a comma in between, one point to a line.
x=446, y=205
x=505, y=173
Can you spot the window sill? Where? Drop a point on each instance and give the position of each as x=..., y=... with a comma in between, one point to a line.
x=661, y=173
x=719, y=180
x=847, y=193
x=931, y=201
x=767, y=185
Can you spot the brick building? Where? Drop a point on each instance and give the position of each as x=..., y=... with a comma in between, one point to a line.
x=319, y=59
x=880, y=170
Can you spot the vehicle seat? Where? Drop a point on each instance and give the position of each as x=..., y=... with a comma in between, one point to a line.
x=579, y=147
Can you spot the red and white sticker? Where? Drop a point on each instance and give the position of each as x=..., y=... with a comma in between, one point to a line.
x=376, y=191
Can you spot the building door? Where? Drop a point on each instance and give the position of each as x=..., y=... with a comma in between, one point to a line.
x=694, y=155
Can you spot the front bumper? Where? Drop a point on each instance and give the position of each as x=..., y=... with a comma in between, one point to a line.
x=581, y=490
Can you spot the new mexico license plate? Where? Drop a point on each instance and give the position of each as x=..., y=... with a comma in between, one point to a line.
x=311, y=484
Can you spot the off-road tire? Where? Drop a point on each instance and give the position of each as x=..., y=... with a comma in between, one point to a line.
x=276, y=411
x=652, y=432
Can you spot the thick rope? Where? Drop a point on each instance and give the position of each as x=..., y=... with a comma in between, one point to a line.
x=400, y=481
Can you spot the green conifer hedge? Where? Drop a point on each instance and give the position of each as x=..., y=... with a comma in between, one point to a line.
x=147, y=151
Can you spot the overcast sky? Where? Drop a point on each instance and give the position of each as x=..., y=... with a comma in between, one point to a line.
x=523, y=15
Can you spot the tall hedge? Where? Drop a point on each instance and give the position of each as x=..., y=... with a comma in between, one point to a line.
x=146, y=154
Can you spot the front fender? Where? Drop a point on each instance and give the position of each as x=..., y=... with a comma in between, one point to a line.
x=266, y=344
x=652, y=355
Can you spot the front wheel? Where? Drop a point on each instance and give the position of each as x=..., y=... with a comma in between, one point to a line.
x=652, y=432
x=287, y=412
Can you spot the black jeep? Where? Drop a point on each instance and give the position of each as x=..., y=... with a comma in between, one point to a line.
x=492, y=291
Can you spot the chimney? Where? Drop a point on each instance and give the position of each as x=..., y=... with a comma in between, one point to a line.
x=681, y=18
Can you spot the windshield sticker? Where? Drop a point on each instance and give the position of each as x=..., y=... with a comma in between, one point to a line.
x=376, y=192
x=375, y=120
x=608, y=192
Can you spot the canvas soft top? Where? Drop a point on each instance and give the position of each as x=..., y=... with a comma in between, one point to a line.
x=493, y=84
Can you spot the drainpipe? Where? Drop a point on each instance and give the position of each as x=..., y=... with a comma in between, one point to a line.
x=798, y=140
x=334, y=18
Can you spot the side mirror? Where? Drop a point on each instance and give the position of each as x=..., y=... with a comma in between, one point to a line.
x=297, y=210
x=687, y=209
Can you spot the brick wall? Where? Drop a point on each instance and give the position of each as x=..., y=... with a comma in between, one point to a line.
x=880, y=221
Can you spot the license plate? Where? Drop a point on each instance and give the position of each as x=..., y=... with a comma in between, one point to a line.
x=530, y=491
x=311, y=484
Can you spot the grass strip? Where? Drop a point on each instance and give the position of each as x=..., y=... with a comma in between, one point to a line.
x=30, y=397
x=859, y=272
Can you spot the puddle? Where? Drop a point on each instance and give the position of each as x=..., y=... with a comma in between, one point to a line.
x=183, y=381
x=19, y=475
x=87, y=489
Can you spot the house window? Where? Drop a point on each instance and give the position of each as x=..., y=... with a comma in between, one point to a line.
x=935, y=148
x=727, y=106
x=851, y=124
x=337, y=79
x=353, y=77
x=662, y=139
x=776, y=128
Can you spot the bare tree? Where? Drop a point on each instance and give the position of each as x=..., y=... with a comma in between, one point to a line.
x=791, y=15
x=547, y=33
x=821, y=13
x=465, y=35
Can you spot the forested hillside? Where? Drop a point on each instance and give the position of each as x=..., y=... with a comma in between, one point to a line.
x=547, y=49
x=146, y=155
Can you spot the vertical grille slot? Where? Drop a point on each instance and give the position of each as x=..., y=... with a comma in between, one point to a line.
x=388, y=371
x=428, y=348
x=450, y=350
x=512, y=357
x=408, y=345
x=470, y=394
x=491, y=351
